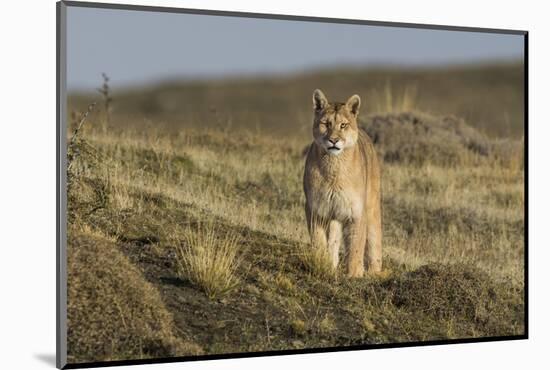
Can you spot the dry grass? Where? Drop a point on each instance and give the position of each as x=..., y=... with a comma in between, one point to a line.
x=434, y=209
x=316, y=261
x=390, y=101
x=208, y=225
x=113, y=312
x=209, y=259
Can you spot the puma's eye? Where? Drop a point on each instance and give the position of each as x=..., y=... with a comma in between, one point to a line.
x=343, y=125
x=322, y=127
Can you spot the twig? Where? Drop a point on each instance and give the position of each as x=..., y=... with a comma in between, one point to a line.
x=268, y=331
x=70, y=148
x=105, y=91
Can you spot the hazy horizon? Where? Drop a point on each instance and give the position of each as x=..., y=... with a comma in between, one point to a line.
x=137, y=48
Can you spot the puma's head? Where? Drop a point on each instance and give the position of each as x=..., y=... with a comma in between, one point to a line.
x=335, y=124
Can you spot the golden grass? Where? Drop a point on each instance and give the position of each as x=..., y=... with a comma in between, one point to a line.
x=472, y=212
x=209, y=204
x=390, y=101
x=316, y=261
x=209, y=259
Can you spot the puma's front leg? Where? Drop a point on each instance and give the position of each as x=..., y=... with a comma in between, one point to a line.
x=334, y=241
x=355, y=238
x=317, y=229
x=318, y=234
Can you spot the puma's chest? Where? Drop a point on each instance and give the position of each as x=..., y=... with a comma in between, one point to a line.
x=334, y=201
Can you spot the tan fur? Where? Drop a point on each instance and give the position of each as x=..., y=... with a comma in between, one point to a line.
x=342, y=187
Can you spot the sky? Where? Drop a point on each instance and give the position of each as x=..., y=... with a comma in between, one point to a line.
x=138, y=48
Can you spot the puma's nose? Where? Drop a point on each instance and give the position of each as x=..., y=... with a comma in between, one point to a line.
x=333, y=140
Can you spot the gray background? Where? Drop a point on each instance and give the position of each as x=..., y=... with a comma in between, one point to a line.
x=137, y=48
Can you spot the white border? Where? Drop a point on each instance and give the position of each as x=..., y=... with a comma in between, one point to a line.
x=27, y=150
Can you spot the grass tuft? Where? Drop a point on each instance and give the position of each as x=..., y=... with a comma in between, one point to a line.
x=317, y=261
x=326, y=325
x=208, y=259
x=298, y=327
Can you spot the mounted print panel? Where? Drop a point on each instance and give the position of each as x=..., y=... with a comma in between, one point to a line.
x=235, y=184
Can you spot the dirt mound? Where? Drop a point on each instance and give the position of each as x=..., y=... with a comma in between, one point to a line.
x=417, y=138
x=113, y=312
x=459, y=293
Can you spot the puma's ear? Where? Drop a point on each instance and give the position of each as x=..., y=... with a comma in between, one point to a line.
x=353, y=104
x=319, y=100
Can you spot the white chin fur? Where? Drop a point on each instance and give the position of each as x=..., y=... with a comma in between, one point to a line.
x=334, y=151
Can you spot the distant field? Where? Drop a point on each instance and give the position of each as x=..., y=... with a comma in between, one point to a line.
x=488, y=97
x=187, y=232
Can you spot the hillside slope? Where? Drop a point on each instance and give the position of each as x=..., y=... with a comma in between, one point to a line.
x=453, y=242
